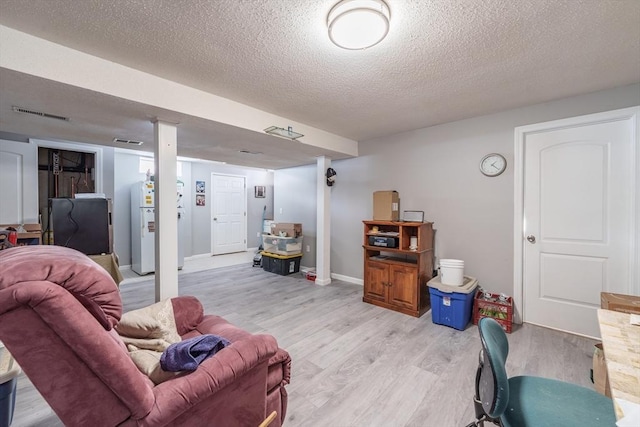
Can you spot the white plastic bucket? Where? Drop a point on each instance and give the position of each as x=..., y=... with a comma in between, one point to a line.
x=452, y=272
x=451, y=262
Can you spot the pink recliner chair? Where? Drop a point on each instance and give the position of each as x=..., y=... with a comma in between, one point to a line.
x=57, y=313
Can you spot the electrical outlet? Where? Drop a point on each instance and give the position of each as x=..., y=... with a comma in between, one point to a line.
x=308, y=248
x=258, y=234
x=280, y=210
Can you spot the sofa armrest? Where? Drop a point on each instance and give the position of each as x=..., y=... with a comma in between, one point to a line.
x=230, y=365
x=188, y=313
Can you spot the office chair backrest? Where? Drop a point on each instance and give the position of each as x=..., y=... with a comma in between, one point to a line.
x=493, y=384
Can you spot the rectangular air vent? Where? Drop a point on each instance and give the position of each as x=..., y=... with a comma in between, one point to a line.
x=285, y=133
x=39, y=113
x=127, y=141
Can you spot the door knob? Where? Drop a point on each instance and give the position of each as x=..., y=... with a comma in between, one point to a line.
x=215, y=219
x=531, y=238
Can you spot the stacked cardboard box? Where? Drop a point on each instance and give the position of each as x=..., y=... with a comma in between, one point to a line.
x=286, y=229
x=386, y=206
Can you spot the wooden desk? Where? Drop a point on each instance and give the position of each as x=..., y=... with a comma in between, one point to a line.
x=621, y=343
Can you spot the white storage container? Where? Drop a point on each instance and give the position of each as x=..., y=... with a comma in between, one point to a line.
x=282, y=245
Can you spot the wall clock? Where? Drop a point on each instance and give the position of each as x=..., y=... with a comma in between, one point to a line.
x=493, y=164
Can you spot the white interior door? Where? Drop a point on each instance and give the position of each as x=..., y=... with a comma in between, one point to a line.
x=228, y=214
x=18, y=183
x=578, y=219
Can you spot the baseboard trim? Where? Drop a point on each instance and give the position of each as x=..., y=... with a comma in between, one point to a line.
x=188, y=258
x=322, y=282
x=348, y=279
x=341, y=277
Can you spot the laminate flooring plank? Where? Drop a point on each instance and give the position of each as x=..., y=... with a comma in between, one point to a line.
x=354, y=339
x=312, y=343
x=362, y=390
x=318, y=318
x=444, y=403
x=305, y=372
x=297, y=416
x=385, y=347
x=400, y=400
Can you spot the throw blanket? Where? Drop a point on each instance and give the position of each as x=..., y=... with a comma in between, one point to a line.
x=147, y=332
x=188, y=354
x=149, y=328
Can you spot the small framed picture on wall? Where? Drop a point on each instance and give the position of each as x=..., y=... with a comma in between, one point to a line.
x=260, y=191
x=199, y=199
x=200, y=187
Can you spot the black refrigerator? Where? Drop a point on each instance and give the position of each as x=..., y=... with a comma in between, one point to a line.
x=81, y=224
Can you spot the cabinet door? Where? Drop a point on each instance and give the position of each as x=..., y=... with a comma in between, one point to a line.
x=375, y=282
x=404, y=286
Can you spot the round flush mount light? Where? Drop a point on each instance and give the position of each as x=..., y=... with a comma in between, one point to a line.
x=358, y=24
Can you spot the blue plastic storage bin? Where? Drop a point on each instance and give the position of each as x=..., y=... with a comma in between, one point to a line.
x=9, y=371
x=452, y=308
x=7, y=401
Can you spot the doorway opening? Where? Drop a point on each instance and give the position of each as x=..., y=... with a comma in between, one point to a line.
x=62, y=174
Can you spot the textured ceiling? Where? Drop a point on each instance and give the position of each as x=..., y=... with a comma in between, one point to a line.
x=443, y=60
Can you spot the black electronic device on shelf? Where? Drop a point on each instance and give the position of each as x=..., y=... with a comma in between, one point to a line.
x=81, y=224
x=383, y=241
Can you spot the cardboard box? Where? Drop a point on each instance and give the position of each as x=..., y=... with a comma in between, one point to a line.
x=386, y=205
x=31, y=236
x=109, y=263
x=600, y=375
x=289, y=228
x=620, y=302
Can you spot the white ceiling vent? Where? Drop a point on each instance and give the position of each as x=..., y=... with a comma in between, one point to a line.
x=285, y=133
x=39, y=113
x=127, y=141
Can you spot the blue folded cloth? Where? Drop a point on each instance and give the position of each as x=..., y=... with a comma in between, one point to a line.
x=186, y=355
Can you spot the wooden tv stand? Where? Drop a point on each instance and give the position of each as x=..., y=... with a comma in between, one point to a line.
x=396, y=277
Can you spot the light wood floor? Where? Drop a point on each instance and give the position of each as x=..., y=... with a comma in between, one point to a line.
x=354, y=364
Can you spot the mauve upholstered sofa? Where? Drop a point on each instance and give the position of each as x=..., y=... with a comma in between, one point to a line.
x=57, y=313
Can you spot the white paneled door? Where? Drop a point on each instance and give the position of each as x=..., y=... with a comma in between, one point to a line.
x=18, y=182
x=228, y=214
x=578, y=219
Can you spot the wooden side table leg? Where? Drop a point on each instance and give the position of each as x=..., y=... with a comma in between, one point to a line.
x=268, y=420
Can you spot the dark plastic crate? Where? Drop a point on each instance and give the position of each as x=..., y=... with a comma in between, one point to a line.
x=282, y=265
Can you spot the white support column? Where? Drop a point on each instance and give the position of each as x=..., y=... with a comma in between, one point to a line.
x=166, y=217
x=323, y=226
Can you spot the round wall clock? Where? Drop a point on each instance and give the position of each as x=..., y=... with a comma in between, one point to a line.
x=493, y=164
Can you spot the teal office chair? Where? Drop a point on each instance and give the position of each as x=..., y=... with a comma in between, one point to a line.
x=530, y=401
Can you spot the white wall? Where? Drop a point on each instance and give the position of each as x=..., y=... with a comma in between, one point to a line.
x=201, y=216
x=436, y=170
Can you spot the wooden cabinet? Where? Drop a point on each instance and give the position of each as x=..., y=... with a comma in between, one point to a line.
x=396, y=275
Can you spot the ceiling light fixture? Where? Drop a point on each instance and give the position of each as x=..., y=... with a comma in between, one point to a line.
x=358, y=24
